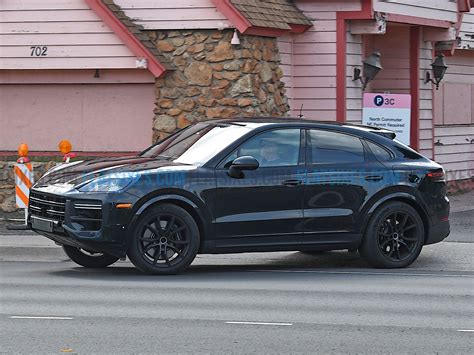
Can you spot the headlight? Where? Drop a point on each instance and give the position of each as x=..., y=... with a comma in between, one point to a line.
x=107, y=184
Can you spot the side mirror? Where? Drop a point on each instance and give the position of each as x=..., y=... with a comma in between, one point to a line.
x=240, y=164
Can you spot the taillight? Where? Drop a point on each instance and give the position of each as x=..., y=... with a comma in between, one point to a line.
x=437, y=175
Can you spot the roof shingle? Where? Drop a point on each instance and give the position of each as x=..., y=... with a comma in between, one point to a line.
x=278, y=14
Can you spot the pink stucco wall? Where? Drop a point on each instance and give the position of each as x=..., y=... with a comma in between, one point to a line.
x=94, y=116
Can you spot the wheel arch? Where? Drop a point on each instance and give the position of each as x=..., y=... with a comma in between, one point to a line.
x=400, y=196
x=178, y=200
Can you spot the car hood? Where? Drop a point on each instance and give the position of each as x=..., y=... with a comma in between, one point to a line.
x=77, y=173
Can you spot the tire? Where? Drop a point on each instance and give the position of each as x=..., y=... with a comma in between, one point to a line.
x=165, y=240
x=89, y=260
x=394, y=236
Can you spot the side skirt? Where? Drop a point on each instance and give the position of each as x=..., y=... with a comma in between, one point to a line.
x=278, y=243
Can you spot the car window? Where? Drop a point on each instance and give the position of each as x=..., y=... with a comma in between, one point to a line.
x=197, y=144
x=327, y=147
x=272, y=148
x=380, y=153
x=407, y=152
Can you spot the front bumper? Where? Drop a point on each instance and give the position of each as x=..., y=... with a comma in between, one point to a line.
x=87, y=221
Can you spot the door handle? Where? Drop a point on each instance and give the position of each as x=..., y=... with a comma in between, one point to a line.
x=292, y=182
x=373, y=178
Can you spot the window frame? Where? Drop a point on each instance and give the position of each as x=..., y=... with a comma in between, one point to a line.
x=301, y=154
x=309, y=153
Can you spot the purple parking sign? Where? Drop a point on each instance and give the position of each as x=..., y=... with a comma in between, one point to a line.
x=389, y=111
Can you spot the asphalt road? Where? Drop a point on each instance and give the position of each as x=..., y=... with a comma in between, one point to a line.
x=323, y=304
x=240, y=303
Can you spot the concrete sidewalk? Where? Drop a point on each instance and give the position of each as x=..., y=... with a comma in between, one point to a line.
x=462, y=202
x=30, y=247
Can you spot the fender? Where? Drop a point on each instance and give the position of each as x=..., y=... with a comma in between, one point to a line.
x=159, y=198
x=390, y=196
x=203, y=219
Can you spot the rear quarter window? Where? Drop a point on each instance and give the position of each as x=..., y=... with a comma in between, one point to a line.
x=379, y=152
x=408, y=153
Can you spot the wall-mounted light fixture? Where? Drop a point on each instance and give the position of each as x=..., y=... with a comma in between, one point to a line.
x=439, y=69
x=235, y=39
x=371, y=68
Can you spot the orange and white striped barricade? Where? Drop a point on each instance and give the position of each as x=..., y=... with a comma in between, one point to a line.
x=23, y=182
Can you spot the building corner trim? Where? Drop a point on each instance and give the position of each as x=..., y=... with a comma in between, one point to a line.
x=135, y=46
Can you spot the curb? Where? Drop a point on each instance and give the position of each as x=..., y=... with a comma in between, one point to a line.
x=17, y=227
x=467, y=209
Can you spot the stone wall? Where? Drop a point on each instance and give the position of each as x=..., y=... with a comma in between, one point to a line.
x=214, y=79
x=7, y=182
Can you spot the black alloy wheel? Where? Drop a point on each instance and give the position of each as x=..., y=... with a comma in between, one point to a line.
x=89, y=259
x=165, y=240
x=394, y=236
x=398, y=236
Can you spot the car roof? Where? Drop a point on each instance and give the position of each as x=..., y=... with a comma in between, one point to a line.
x=256, y=122
x=264, y=120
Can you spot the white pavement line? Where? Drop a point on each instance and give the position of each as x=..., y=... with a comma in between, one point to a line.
x=363, y=273
x=465, y=330
x=34, y=317
x=260, y=323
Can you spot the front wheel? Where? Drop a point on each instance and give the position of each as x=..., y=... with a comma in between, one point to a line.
x=394, y=236
x=165, y=240
x=89, y=259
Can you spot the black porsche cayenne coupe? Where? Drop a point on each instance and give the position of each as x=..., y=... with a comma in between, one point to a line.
x=246, y=185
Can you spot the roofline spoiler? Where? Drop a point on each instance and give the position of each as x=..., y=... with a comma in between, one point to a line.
x=387, y=134
x=377, y=130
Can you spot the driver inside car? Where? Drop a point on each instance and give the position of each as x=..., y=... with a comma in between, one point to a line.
x=270, y=154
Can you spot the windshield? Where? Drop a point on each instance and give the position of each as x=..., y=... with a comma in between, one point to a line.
x=197, y=144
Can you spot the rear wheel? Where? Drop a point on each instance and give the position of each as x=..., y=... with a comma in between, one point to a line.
x=165, y=240
x=394, y=236
x=89, y=259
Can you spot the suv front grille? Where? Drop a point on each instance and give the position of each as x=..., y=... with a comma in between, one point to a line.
x=48, y=206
